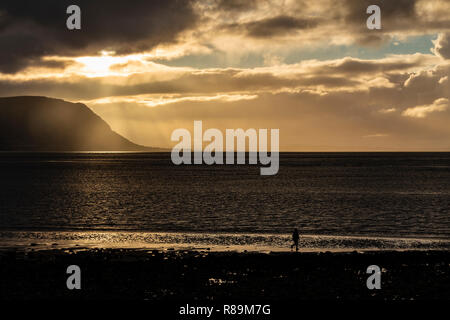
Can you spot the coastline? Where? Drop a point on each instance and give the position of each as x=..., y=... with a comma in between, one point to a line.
x=213, y=242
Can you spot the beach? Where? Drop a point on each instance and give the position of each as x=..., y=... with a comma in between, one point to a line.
x=186, y=275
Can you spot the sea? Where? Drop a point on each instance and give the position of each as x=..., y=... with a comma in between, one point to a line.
x=337, y=201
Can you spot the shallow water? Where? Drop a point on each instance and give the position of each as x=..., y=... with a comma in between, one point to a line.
x=339, y=194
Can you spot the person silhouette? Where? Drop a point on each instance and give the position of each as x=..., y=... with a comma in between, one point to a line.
x=295, y=237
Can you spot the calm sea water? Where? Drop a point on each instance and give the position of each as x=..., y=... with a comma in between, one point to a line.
x=346, y=194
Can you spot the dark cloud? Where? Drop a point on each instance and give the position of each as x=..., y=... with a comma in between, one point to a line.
x=275, y=26
x=237, y=5
x=355, y=66
x=347, y=17
x=442, y=46
x=32, y=29
x=396, y=16
x=54, y=64
x=392, y=11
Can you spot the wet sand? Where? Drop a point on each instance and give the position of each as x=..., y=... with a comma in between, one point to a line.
x=177, y=275
x=265, y=243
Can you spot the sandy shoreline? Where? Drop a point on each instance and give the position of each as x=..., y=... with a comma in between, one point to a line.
x=214, y=242
x=184, y=275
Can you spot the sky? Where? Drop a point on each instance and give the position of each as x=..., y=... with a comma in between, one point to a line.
x=310, y=68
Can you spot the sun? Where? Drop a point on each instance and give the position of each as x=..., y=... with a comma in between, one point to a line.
x=100, y=66
x=96, y=66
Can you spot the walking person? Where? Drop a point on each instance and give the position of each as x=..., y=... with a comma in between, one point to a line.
x=295, y=237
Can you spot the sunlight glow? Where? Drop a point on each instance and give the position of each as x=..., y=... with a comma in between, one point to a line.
x=99, y=66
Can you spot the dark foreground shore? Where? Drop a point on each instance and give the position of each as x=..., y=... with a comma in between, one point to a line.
x=221, y=276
